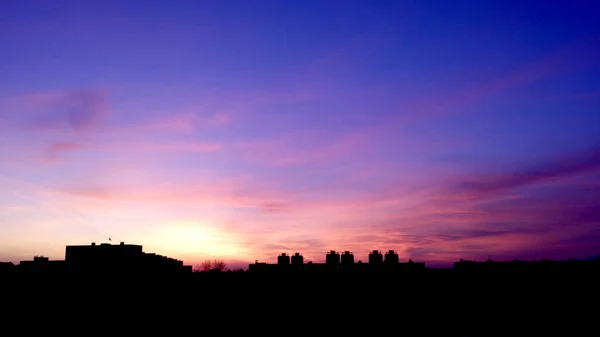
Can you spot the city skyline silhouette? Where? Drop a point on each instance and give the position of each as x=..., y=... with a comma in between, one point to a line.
x=238, y=130
x=133, y=286
x=130, y=259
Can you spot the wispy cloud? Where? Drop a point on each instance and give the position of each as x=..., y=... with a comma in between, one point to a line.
x=569, y=165
x=192, y=120
x=55, y=150
x=64, y=147
x=183, y=122
x=536, y=206
x=81, y=110
x=454, y=101
x=161, y=146
x=302, y=148
x=423, y=222
x=440, y=225
x=327, y=187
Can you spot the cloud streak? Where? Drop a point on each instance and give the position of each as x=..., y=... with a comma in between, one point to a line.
x=81, y=110
x=354, y=137
x=569, y=165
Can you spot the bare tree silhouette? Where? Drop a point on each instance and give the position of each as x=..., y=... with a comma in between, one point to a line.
x=219, y=265
x=211, y=265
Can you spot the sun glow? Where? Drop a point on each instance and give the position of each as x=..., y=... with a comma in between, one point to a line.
x=195, y=239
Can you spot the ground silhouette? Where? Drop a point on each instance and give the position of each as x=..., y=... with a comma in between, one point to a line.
x=144, y=291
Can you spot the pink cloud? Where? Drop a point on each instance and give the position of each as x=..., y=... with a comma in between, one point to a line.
x=191, y=120
x=421, y=222
x=224, y=193
x=470, y=217
x=509, y=224
x=64, y=147
x=300, y=148
x=56, y=149
x=569, y=165
x=186, y=146
x=219, y=118
x=183, y=122
x=82, y=110
x=440, y=226
x=141, y=146
x=249, y=193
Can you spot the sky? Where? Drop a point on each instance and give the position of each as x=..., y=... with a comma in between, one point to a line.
x=240, y=130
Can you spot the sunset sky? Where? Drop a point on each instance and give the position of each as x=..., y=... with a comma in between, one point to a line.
x=243, y=129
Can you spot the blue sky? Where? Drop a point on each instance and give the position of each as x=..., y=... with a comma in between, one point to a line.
x=237, y=129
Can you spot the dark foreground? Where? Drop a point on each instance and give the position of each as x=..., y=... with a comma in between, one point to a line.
x=434, y=303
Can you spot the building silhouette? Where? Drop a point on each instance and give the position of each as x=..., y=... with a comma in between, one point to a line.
x=283, y=260
x=347, y=258
x=375, y=257
x=391, y=257
x=41, y=264
x=297, y=260
x=121, y=258
x=262, y=267
x=104, y=258
x=332, y=259
x=344, y=262
x=6, y=268
x=390, y=262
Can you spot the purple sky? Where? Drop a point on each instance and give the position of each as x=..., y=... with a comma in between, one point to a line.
x=244, y=129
